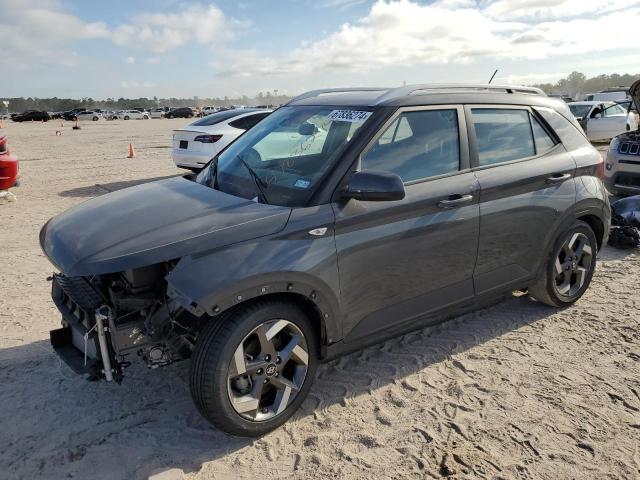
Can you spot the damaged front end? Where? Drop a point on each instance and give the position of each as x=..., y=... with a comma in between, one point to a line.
x=109, y=319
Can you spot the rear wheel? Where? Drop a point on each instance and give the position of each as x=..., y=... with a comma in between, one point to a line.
x=95, y=119
x=126, y=117
x=252, y=368
x=569, y=267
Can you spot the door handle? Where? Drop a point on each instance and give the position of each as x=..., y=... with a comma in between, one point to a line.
x=454, y=200
x=558, y=177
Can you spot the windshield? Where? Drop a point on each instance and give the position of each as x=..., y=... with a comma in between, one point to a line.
x=580, y=111
x=281, y=159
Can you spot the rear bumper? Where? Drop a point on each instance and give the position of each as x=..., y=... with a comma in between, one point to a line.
x=184, y=158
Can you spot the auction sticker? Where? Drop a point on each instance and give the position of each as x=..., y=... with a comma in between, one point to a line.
x=349, y=115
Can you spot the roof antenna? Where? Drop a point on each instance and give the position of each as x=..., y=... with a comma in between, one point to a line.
x=492, y=76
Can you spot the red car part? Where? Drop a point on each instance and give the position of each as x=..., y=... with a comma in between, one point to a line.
x=9, y=166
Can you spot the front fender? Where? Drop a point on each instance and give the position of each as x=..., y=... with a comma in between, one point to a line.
x=292, y=261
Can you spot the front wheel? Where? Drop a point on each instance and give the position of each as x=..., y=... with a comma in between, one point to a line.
x=95, y=119
x=126, y=118
x=569, y=267
x=252, y=368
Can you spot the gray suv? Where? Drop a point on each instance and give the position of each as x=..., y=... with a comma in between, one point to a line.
x=345, y=217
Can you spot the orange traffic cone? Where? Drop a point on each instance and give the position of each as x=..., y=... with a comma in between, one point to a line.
x=61, y=124
x=1, y=123
x=132, y=152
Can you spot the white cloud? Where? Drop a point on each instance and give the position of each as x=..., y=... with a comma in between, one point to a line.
x=405, y=33
x=39, y=32
x=554, y=9
x=130, y=60
x=161, y=32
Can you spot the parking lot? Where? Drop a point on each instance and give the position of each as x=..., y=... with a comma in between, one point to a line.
x=517, y=390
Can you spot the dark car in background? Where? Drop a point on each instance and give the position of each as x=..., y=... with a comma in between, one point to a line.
x=32, y=115
x=71, y=114
x=181, y=112
x=343, y=218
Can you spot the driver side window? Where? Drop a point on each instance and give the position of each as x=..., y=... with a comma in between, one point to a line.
x=417, y=145
x=615, y=111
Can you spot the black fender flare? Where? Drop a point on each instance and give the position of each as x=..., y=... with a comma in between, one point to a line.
x=314, y=291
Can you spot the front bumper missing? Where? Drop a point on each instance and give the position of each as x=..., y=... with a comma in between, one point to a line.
x=82, y=343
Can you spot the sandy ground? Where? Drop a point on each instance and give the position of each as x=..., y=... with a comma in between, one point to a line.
x=518, y=390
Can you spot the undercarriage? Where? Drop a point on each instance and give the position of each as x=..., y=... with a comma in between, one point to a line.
x=108, y=320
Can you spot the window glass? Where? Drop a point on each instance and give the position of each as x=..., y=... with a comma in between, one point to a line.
x=251, y=120
x=542, y=139
x=580, y=111
x=274, y=162
x=417, y=145
x=615, y=111
x=290, y=140
x=571, y=137
x=217, y=118
x=240, y=123
x=502, y=134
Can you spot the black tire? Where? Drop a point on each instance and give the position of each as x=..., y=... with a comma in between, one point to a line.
x=211, y=368
x=126, y=117
x=95, y=119
x=575, y=274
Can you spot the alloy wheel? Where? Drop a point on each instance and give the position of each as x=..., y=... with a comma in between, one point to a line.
x=267, y=370
x=573, y=263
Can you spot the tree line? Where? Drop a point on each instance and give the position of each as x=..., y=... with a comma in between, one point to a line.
x=577, y=84
x=573, y=85
x=55, y=104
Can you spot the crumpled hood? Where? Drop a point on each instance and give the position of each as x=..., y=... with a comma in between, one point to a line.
x=152, y=223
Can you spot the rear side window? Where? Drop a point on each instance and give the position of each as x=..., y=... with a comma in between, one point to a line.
x=246, y=123
x=502, y=135
x=571, y=137
x=217, y=118
x=418, y=144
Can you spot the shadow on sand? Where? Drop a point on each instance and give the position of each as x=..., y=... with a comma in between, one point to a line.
x=57, y=424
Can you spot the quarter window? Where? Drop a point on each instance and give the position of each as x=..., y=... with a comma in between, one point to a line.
x=502, y=135
x=418, y=144
x=542, y=139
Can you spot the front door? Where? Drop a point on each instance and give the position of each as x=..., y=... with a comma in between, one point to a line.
x=608, y=122
x=400, y=260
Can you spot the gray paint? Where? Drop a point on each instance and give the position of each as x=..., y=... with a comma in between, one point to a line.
x=380, y=266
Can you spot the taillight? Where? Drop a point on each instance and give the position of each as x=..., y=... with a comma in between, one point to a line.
x=207, y=138
x=3, y=145
x=600, y=168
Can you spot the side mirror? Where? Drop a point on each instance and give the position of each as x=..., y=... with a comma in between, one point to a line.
x=373, y=186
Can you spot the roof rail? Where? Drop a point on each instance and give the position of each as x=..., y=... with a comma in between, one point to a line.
x=434, y=88
x=322, y=91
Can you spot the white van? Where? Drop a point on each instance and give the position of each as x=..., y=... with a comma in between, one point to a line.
x=615, y=96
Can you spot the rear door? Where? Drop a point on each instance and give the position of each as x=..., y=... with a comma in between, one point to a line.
x=401, y=259
x=526, y=183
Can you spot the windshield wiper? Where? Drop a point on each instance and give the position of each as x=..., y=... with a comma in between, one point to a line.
x=261, y=184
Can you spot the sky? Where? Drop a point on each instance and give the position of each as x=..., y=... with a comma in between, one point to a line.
x=169, y=48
